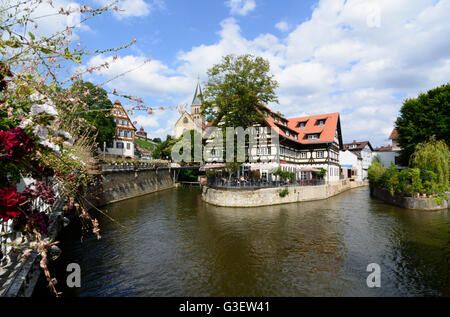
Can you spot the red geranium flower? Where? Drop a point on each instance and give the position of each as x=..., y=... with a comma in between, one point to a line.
x=10, y=201
x=14, y=144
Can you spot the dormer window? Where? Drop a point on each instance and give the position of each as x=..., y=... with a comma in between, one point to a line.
x=313, y=136
x=287, y=133
x=301, y=125
x=321, y=122
x=353, y=146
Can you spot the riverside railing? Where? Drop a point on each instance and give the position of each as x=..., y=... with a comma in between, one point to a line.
x=257, y=184
x=7, y=232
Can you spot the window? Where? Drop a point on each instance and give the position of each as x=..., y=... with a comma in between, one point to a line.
x=301, y=125
x=119, y=145
x=264, y=175
x=287, y=133
x=313, y=136
x=321, y=122
x=263, y=151
x=128, y=146
x=185, y=120
x=319, y=154
x=303, y=155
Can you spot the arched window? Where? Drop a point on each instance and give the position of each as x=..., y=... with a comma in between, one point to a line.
x=185, y=121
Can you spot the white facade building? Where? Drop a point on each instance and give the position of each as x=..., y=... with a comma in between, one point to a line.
x=352, y=165
x=389, y=154
x=364, y=150
x=303, y=146
x=123, y=144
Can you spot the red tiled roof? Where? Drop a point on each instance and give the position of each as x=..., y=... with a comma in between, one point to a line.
x=359, y=145
x=383, y=148
x=327, y=132
x=394, y=135
x=209, y=124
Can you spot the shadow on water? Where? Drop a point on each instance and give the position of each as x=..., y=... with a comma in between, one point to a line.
x=174, y=244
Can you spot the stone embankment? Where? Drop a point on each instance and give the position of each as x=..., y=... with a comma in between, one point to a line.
x=271, y=196
x=409, y=202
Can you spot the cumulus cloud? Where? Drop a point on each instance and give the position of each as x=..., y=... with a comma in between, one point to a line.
x=241, y=7
x=282, y=26
x=358, y=57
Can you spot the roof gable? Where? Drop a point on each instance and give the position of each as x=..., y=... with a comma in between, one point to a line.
x=357, y=145
x=118, y=105
x=185, y=115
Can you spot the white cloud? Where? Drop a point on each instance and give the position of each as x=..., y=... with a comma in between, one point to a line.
x=134, y=8
x=338, y=60
x=241, y=7
x=282, y=26
x=47, y=19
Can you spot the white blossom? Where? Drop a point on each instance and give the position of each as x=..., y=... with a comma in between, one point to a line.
x=40, y=132
x=47, y=108
x=66, y=135
x=51, y=145
x=25, y=123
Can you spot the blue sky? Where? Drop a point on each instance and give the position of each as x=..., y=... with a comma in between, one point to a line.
x=361, y=58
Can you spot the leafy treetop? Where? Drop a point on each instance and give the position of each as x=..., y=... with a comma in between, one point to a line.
x=422, y=117
x=236, y=88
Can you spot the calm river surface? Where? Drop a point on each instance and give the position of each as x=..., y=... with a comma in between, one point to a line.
x=174, y=244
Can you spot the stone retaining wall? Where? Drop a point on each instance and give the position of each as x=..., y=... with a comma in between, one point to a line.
x=121, y=184
x=271, y=196
x=409, y=202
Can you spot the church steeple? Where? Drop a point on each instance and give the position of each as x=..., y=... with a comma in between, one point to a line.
x=196, y=104
x=197, y=100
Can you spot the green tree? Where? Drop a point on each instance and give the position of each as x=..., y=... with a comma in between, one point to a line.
x=432, y=156
x=375, y=173
x=422, y=117
x=163, y=150
x=236, y=88
x=95, y=108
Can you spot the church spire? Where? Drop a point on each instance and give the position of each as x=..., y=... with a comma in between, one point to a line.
x=198, y=91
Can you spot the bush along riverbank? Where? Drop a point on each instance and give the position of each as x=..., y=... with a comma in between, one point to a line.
x=423, y=186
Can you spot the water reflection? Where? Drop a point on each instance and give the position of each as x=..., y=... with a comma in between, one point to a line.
x=173, y=244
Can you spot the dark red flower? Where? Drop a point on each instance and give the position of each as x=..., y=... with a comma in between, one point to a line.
x=10, y=203
x=14, y=144
x=39, y=221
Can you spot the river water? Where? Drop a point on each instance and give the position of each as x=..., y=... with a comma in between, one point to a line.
x=174, y=244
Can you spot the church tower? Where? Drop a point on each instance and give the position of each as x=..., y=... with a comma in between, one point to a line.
x=196, y=106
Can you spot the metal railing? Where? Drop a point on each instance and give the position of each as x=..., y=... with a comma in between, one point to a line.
x=220, y=183
x=7, y=232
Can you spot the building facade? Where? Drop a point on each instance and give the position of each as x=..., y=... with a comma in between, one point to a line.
x=194, y=120
x=351, y=165
x=389, y=154
x=141, y=134
x=364, y=150
x=123, y=143
x=302, y=145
